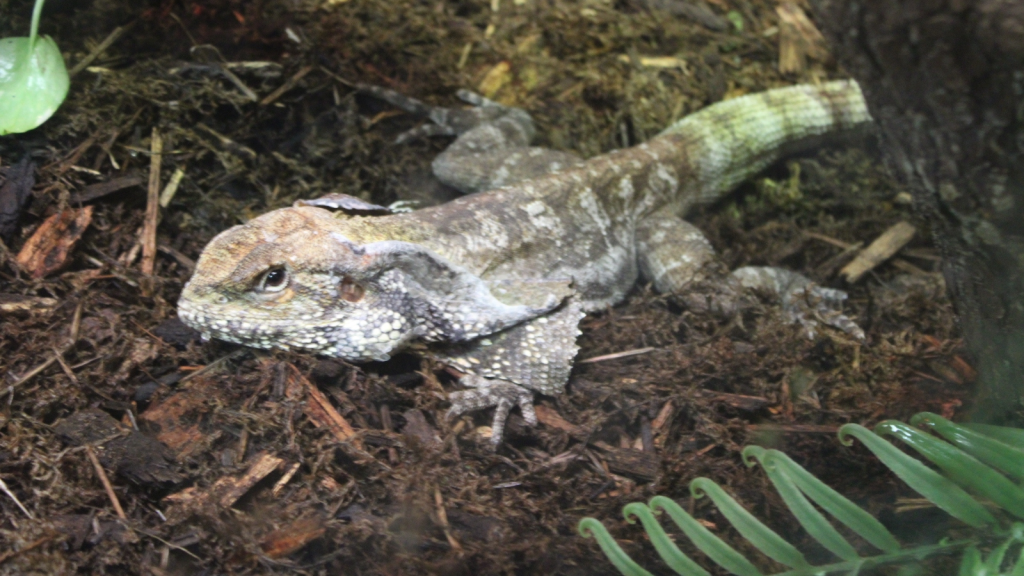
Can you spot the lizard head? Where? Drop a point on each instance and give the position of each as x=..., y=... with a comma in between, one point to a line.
x=293, y=279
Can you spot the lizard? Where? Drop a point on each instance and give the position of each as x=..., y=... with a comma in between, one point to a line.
x=495, y=283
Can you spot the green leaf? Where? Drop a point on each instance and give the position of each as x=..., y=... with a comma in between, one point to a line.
x=993, y=445
x=721, y=553
x=669, y=552
x=971, y=563
x=940, y=490
x=959, y=466
x=807, y=515
x=762, y=537
x=33, y=82
x=839, y=506
x=1018, y=567
x=1006, y=435
x=591, y=527
x=736, y=18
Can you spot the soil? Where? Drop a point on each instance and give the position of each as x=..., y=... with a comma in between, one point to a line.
x=227, y=460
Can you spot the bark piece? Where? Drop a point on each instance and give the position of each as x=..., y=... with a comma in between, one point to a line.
x=417, y=427
x=132, y=455
x=637, y=464
x=48, y=249
x=176, y=421
x=883, y=248
x=14, y=194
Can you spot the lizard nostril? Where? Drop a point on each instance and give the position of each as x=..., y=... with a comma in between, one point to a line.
x=350, y=291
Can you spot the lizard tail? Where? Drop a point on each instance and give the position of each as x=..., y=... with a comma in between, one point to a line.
x=731, y=141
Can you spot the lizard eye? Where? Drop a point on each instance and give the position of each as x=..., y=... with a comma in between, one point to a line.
x=273, y=280
x=350, y=290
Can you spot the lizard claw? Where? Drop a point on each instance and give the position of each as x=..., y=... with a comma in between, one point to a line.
x=485, y=393
x=803, y=301
x=812, y=304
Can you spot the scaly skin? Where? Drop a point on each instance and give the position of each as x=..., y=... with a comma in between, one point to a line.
x=460, y=275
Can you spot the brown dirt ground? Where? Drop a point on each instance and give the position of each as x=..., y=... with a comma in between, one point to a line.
x=417, y=494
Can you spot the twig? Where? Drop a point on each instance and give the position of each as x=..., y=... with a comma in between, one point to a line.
x=3, y=486
x=76, y=322
x=216, y=364
x=156, y=537
x=46, y=364
x=828, y=239
x=442, y=515
x=106, y=482
x=152, y=208
x=74, y=379
x=31, y=546
x=286, y=86
x=107, y=42
x=617, y=355
x=337, y=78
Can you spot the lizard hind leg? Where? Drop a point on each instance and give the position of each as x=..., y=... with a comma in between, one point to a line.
x=676, y=257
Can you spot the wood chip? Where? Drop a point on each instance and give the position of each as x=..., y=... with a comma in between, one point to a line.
x=49, y=247
x=16, y=303
x=227, y=490
x=286, y=478
x=883, y=248
x=293, y=537
x=101, y=189
x=799, y=39
x=177, y=420
x=172, y=187
x=318, y=408
x=549, y=417
x=495, y=79
x=667, y=409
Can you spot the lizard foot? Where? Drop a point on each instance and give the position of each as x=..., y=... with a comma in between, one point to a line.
x=446, y=121
x=803, y=301
x=485, y=393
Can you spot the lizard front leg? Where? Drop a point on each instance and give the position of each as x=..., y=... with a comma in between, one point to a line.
x=504, y=369
x=485, y=393
x=492, y=145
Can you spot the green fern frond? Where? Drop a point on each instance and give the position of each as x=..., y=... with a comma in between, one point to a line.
x=979, y=460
